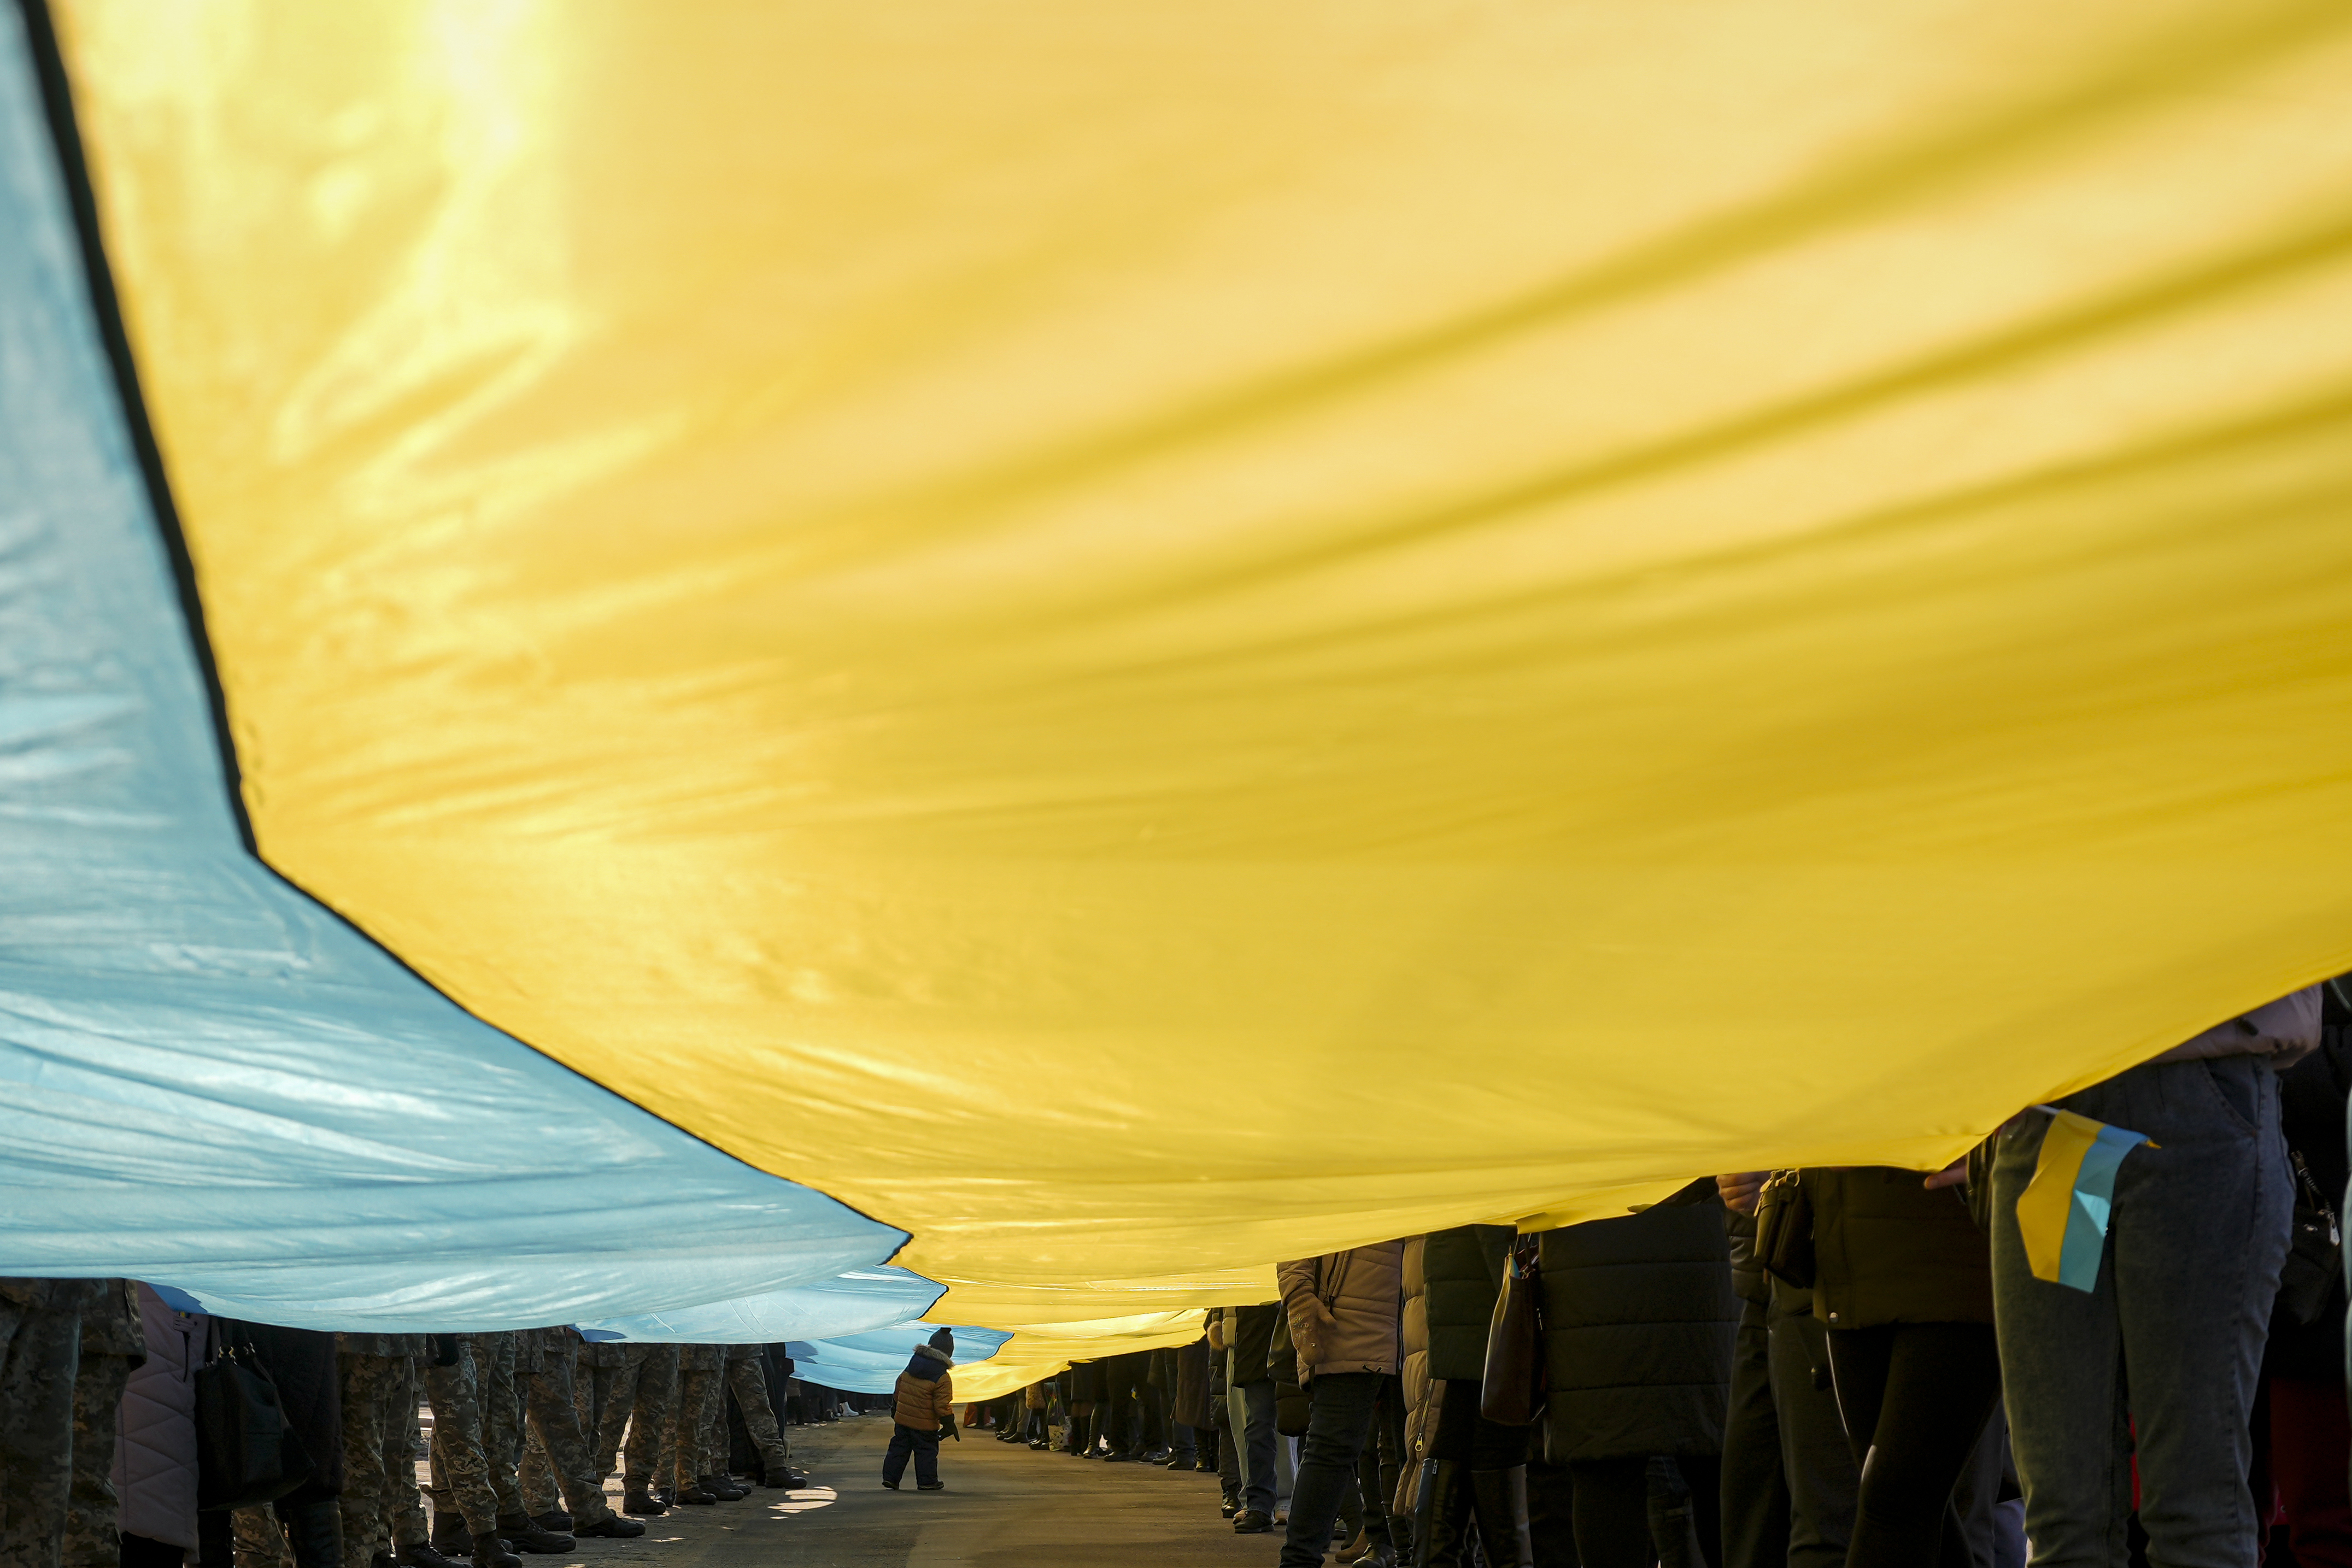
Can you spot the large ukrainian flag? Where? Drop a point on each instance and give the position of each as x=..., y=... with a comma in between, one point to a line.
x=1136, y=640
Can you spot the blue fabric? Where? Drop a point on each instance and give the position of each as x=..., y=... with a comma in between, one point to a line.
x=871, y=1362
x=2086, y=1219
x=206, y=1080
x=858, y=1302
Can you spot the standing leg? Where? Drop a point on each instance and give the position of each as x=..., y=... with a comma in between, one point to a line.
x=648, y=1414
x=460, y=1468
x=40, y=1351
x=1814, y=1454
x=366, y=1385
x=1340, y=1418
x=1754, y=1490
x=748, y=1382
x=93, y=1539
x=395, y=1457
x=1612, y=1512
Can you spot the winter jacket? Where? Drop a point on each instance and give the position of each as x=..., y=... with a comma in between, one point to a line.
x=926, y=1394
x=1638, y=1323
x=1888, y=1250
x=2285, y=1030
x=2312, y=1115
x=154, y=1469
x=1346, y=1309
x=1249, y=1331
x=1450, y=1280
x=1748, y=1280
x=1188, y=1401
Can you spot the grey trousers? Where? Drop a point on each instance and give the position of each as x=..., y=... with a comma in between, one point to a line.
x=2172, y=1339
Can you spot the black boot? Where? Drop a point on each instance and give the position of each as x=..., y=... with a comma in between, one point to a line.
x=611, y=1527
x=490, y=1554
x=314, y=1532
x=525, y=1534
x=420, y=1554
x=1443, y=1516
x=1500, y=1497
x=642, y=1502
x=450, y=1536
x=554, y=1520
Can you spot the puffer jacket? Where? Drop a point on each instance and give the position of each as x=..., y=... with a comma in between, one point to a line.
x=1346, y=1309
x=1450, y=1280
x=1639, y=1325
x=1888, y=1250
x=154, y=1469
x=925, y=1393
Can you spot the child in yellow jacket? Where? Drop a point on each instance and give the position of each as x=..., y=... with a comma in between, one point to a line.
x=926, y=1402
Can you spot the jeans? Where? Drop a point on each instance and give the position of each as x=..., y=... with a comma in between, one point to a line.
x=923, y=1444
x=1755, y=1488
x=1340, y=1418
x=1916, y=1396
x=1814, y=1455
x=1253, y=1411
x=2170, y=1340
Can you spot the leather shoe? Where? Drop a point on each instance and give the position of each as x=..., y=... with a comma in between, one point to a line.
x=1118, y=1459
x=1253, y=1522
x=930, y=1486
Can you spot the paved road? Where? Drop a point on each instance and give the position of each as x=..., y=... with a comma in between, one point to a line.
x=1006, y=1506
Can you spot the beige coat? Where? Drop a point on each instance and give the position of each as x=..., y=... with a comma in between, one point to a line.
x=1345, y=1308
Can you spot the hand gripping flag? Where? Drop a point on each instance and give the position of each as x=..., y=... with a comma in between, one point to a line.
x=2062, y=1214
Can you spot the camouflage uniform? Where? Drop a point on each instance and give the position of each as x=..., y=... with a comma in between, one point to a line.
x=747, y=1379
x=689, y=1434
x=595, y=1370
x=557, y=1455
x=496, y=1386
x=377, y=1377
x=260, y=1538
x=461, y=1472
x=640, y=1401
x=112, y=1343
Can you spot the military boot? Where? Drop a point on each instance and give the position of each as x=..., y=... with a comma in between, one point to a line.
x=491, y=1554
x=725, y=1488
x=419, y=1555
x=525, y=1534
x=645, y=1503
x=450, y=1536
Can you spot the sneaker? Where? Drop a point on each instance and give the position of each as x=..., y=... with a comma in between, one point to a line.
x=1253, y=1522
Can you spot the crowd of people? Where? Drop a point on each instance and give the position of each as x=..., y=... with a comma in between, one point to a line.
x=142, y=1435
x=1867, y=1366
x=1892, y=1381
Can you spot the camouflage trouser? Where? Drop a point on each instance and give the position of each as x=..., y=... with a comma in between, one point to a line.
x=502, y=1429
x=461, y=1472
x=689, y=1431
x=640, y=1401
x=40, y=1349
x=260, y=1539
x=747, y=1379
x=379, y=1501
x=92, y=1540
x=596, y=1370
x=557, y=1454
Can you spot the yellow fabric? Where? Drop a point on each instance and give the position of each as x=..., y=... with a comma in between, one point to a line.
x=1041, y=1351
x=1144, y=639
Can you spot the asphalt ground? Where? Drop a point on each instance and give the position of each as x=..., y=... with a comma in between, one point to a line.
x=1005, y=1507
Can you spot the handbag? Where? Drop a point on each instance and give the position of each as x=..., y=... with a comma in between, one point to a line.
x=1784, y=1229
x=2315, y=1257
x=246, y=1451
x=1513, y=1395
